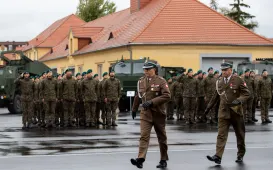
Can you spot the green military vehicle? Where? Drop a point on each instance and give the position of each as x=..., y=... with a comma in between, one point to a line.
x=129, y=72
x=258, y=66
x=14, y=66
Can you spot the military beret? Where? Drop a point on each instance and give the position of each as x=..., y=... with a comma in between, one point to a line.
x=89, y=71
x=63, y=74
x=216, y=72
x=264, y=70
x=252, y=71
x=26, y=73
x=84, y=73
x=210, y=69
x=104, y=74
x=112, y=71
x=168, y=78
x=44, y=72
x=68, y=70
x=195, y=74
x=190, y=70
x=199, y=71
x=78, y=74
x=204, y=73
x=226, y=65
x=48, y=71
x=96, y=75
x=31, y=77
x=240, y=73
x=37, y=77
x=247, y=70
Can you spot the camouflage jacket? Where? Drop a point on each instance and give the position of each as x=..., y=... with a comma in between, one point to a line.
x=101, y=84
x=250, y=84
x=79, y=90
x=265, y=87
x=112, y=89
x=209, y=85
x=36, y=91
x=26, y=88
x=201, y=91
x=89, y=90
x=177, y=89
x=49, y=89
x=69, y=89
x=171, y=90
x=190, y=87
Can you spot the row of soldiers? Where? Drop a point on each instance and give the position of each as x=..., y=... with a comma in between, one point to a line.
x=191, y=93
x=69, y=101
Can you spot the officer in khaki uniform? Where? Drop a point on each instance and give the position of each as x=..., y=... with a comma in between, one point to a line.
x=232, y=92
x=154, y=92
x=265, y=94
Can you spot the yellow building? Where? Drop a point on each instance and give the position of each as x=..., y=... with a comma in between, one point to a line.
x=175, y=33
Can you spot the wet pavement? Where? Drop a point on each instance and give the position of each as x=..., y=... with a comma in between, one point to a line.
x=112, y=148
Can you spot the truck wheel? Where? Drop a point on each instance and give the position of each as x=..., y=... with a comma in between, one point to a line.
x=15, y=107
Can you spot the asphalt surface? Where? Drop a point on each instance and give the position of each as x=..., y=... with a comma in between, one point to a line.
x=111, y=148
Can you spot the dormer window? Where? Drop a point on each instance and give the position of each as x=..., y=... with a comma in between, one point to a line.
x=66, y=47
x=111, y=36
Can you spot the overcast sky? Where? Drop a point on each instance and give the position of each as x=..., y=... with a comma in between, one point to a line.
x=22, y=20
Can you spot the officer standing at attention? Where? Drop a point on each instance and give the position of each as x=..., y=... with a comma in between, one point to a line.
x=96, y=77
x=255, y=92
x=102, y=103
x=154, y=92
x=232, y=92
x=200, y=99
x=170, y=104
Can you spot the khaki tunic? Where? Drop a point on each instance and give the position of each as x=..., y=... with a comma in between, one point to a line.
x=158, y=92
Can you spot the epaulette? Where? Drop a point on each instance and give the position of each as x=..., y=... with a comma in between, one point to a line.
x=141, y=78
x=161, y=77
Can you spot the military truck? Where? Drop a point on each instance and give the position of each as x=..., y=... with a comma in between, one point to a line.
x=129, y=72
x=258, y=66
x=13, y=67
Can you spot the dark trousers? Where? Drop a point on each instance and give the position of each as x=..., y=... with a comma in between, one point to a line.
x=170, y=108
x=50, y=107
x=200, y=109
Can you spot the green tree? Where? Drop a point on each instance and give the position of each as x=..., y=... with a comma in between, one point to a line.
x=214, y=4
x=89, y=10
x=243, y=18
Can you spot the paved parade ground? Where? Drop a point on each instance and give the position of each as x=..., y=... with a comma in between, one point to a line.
x=111, y=148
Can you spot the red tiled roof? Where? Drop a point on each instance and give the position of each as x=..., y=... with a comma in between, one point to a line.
x=10, y=56
x=58, y=51
x=85, y=32
x=55, y=33
x=170, y=21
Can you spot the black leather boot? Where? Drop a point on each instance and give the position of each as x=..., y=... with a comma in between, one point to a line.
x=215, y=159
x=162, y=164
x=138, y=162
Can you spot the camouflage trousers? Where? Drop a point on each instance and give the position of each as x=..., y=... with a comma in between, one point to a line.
x=90, y=112
x=190, y=108
x=265, y=104
x=69, y=107
x=59, y=114
x=27, y=110
x=103, y=110
x=97, y=111
x=200, y=109
x=179, y=107
x=50, y=107
x=212, y=113
x=254, y=105
x=79, y=112
x=111, y=107
x=170, y=108
x=42, y=113
x=36, y=108
x=247, y=107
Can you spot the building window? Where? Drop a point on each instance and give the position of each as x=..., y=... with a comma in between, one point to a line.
x=71, y=44
x=99, y=70
x=73, y=70
x=10, y=48
x=80, y=69
x=54, y=70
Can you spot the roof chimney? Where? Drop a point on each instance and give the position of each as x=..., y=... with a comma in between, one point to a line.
x=137, y=5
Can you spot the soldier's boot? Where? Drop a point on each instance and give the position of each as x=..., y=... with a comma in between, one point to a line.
x=29, y=125
x=162, y=164
x=208, y=121
x=114, y=123
x=250, y=121
x=254, y=119
x=138, y=162
x=104, y=121
x=215, y=159
x=239, y=159
x=93, y=124
x=24, y=126
x=268, y=121
x=87, y=125
x=187, y=122
x=264, y=122
x=99, y=122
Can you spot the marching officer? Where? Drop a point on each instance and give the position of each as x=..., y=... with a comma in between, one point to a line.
x=232, y=92
x=154, y=92
x=265, y=94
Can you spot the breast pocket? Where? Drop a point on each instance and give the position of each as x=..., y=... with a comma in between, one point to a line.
x=155, y=91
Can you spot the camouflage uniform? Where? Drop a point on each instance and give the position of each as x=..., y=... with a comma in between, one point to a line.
x=59, y=118
x=112, y=92
x=36, y=102
x=80, y=113
x=42, y=106
x=170, y=104
x=177, y=92
x=98, y=104
x=69, y=92
x=49, y=94
x=190, y=90
x=102, y=103
x=209, y=88
x=255, y=100
x=247, y=106
x=200, y=109
x=265, y=93
x=89, y=89
x=27, y=94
